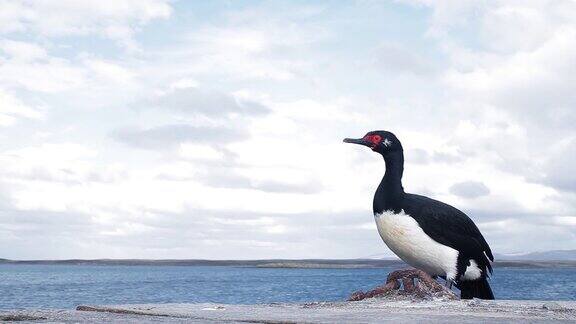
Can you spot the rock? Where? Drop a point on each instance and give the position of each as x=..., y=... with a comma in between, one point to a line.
x=415, y=284
x=20, y=317
x=372, y=310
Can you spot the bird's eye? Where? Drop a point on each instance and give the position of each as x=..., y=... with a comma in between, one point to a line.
x=376, y=139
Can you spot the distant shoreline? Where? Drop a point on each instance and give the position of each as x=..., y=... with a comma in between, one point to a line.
x=279, y=263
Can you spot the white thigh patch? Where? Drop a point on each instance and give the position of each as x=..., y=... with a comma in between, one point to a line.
x=472, y=271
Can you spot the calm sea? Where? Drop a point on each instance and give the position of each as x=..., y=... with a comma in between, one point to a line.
x=65, y=286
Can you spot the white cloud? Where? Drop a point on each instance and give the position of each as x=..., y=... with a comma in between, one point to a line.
x=200, y=152
x=470, y=189
x=251, y=44
x=199, y=101
x=23, y=51
x=117, y=20
x=29, y=66
x=395, y=59
x=57, y=163
x=109, y=71
x=11, y=109
x=168, y=136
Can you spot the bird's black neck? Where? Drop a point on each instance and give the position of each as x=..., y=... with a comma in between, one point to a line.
x=390, y=191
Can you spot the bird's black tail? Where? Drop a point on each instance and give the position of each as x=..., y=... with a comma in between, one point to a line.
x=475, y=289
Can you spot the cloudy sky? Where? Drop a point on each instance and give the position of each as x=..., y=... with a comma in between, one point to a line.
x=213, y=129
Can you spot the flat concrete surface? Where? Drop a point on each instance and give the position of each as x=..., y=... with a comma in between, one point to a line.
x=367, y=311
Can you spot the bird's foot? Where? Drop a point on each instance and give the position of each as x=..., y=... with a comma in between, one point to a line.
x=407, y=282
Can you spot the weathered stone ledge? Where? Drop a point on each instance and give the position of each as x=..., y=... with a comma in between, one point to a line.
x=367, y=311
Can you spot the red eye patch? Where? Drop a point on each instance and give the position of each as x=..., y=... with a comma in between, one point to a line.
x=375, y=139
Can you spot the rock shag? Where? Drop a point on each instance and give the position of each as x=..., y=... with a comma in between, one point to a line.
x=425, y=233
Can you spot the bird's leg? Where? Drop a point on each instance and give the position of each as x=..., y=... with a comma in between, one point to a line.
x=449, y=283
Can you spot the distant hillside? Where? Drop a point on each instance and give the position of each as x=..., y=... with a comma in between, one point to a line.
x=557, y=258
x=308, y=264
x=556, y=255
x=272, y=263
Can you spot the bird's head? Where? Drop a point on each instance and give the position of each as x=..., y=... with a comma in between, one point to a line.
x=380, y=141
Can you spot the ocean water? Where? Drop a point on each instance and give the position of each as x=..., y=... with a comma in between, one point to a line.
x=66, y=286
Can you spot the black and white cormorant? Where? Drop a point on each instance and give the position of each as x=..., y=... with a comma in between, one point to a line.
x=427, y=234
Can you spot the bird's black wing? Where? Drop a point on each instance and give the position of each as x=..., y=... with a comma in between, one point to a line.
x=449, y=226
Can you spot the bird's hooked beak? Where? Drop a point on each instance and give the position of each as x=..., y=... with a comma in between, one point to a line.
x=360, y=141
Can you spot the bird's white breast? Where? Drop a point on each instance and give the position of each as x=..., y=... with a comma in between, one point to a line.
x=407, y=240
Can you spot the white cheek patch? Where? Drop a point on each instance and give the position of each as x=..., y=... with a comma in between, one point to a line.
x=386, y=142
